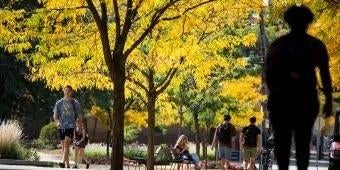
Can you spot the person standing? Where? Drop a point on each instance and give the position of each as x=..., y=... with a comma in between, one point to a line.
x=250, y=143
x=80, y=140
x=65, y=113
x=224, y=137
x=291, y=79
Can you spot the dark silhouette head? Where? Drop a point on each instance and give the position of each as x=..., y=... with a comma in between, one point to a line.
x=298, y=17
x=227, y=118
x=252, y=119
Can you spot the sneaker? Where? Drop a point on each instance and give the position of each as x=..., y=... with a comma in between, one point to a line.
x=75, y=167
x=87, y=165
x=61, y=165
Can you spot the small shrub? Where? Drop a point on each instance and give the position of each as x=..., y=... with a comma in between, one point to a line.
x=211, y=154
x=130, y=133
x=10, y=143
x=48, y=136
x=134, y=150
x=96, y=150
x=34, y=156
x=10, y=135
x=23, y=153
x=37, y=143
x=210, y=151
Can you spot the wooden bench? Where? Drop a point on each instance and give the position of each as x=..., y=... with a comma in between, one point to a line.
x=177, y=160
x=140, y=160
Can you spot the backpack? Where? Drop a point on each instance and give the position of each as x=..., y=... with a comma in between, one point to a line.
x=250, y=136
x=163, y=155
x=224, y=133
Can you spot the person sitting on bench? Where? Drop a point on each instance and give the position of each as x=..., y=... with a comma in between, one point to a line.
x=182, y=149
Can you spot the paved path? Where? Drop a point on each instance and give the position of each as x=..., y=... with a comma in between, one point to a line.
x=323, y=164
x=17, y=167
x=103, y=167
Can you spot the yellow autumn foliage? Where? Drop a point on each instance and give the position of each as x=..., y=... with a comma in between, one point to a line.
x=246, y=91
x=132, y=117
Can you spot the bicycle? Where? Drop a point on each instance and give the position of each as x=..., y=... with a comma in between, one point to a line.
x=266, y=162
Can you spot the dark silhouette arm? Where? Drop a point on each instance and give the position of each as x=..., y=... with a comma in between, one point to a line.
x=326, y=80
x=269, y=66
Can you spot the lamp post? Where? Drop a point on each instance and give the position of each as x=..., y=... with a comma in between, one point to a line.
x=262, y=55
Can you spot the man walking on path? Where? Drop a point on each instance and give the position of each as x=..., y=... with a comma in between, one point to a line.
x=66, y=111
x=290, y=75
x=225, y=138
x=250, y=143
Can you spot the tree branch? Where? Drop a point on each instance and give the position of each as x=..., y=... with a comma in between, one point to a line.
x=137, y=83
x=138, y=4
x=332, y=2
x=94, y=12
x=102, y=28
x=166, y=77
x=138, y=94
x=187, y=10
x=117, y=19
x=51, y=9
x=139, y=69
x=128, y=105
x=171, y=73
x=130, y=14
x=154, y=21
x=68, y=8
x=204, y=36
x=103, y=11
x=146, y=15
x=166, y=83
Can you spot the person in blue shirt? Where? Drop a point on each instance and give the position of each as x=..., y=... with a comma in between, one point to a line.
x=65, y=113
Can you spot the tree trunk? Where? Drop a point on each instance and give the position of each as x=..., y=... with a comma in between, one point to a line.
x=108, y=137
x=205, y=147
x=118, y=115
x=180, y=112
x=197, y=141
x=94, y=129
x=151, y=130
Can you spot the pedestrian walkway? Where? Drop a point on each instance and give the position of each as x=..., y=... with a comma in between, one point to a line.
x=314, y=164
x=107, y=167
x=49, y=157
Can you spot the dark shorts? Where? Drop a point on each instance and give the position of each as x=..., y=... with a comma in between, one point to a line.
x=83, y=143
x=65, y=132
x=224, y=152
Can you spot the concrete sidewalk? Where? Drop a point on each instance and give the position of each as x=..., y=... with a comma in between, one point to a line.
x=50, y=162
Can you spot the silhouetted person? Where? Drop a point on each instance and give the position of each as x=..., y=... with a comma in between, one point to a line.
x=291, y=79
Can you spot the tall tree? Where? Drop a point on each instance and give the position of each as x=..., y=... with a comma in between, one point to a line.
x=64, y=27
x=155, y=84
x=116, y=56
